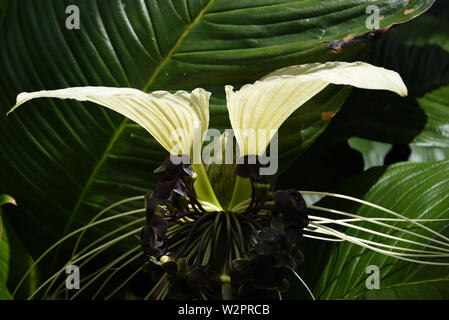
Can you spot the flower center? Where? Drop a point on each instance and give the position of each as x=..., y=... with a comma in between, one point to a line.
x=201, y=250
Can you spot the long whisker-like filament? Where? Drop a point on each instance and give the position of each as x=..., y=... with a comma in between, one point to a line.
x=342, y=196
x=102, y=247
x=378, y=233
x=105, y=269
x=93, y=244
x=124, y=227
x=104, y=211
x=387, y=219
x=69, y=236
x=362, y=244
x=425, y=253
x=304, y=284
x=137, y=256
x=321, y=238
x=378, y=223
x=123, y=283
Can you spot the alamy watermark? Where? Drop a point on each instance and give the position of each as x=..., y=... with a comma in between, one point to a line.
x=224, y=149
x=73, y=20
x=73, y=279
x=373, y=280
x=373, y=20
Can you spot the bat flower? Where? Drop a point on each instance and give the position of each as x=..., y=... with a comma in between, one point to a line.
x=242, y=245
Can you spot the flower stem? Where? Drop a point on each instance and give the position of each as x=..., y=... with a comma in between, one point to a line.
x=203, y=187
x=242, y=191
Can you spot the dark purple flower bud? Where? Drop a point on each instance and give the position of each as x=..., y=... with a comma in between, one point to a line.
x=153, y=233
x=176, y=167
x=292, y=206
x=271, y=241
x=151, y=203
x=149, y=241
x=166, y=189
x=249, y=167
x=159, y=226
x=168, y=186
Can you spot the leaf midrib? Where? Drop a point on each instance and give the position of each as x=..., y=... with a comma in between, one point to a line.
x=123, y=124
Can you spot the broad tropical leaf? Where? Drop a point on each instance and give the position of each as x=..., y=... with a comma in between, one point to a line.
x=421, y=120
x=14, y=259
x=425, y=290
x=417, y=191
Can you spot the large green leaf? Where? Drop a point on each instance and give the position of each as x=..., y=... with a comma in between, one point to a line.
x=14, y=259
x=373, y=152
x=14, y=262
x=64, y=162
x=4, y=254
x=419, y=51
x=416, y=190
x=435, y=289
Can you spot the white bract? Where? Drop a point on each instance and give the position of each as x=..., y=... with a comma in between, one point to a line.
x=256, y=111
x=267, y=103
x=173, y=119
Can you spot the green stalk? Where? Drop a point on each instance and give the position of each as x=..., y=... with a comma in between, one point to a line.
x=226, y=288
x=203, y=187
x=164, y=277
x=242, y=191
